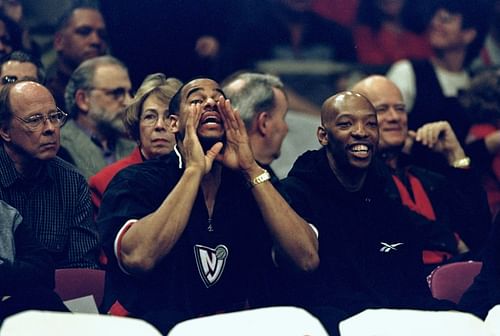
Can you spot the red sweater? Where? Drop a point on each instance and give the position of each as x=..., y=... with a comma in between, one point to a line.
x=99, y=182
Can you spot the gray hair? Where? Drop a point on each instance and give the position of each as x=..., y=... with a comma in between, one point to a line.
x=255, y=95
x=83, y=78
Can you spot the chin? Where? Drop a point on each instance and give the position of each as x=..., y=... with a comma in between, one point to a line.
x=46, y=156
x=158, y=153
x=360, y=165
x=208, y=142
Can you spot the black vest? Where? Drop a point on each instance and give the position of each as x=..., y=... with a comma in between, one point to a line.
x=432, y=105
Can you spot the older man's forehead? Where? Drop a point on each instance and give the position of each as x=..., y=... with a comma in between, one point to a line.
x=31, y=93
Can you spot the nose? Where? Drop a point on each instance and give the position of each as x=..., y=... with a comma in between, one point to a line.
x=359, y=131
x=210, y=101
x=95, y=38
x=394, y=115
x=161, y=123
x=48, y=126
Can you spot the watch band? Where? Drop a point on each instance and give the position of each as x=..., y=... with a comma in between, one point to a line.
x=265, y=176
x=462, y=163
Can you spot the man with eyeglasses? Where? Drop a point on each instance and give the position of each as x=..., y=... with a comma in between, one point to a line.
x=96, y=96
x=50, y=194
x=81, y=35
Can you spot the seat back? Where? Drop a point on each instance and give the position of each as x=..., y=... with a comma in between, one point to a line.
x=261, y=321
x=450, y=281
x=46, y=323
x=72, y=283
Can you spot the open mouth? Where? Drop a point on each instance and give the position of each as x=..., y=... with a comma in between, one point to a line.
x=211, y=117
x=360, y=150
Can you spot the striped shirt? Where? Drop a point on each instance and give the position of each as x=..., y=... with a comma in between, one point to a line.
x=56, y=203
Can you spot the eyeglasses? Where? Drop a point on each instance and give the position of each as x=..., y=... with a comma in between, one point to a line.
x=118, y=93
x=36, y=121
x=150, y=118
x=9, y=79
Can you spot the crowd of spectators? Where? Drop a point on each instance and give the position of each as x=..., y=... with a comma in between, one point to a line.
x=146, y=149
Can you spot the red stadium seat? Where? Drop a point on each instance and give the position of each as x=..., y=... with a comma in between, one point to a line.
x=72, y=283
x=450, y=281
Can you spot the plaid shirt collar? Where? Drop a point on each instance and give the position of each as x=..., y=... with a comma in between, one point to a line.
x=10, y=175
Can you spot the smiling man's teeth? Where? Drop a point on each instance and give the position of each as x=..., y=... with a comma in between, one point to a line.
x=360, y=148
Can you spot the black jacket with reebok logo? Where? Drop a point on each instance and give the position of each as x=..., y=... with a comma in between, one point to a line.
x=370, y=252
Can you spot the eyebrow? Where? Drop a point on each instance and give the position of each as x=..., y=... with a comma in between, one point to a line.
x=194, y=90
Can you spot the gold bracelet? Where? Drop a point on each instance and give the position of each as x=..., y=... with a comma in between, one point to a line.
x=265, y=176
x=461, y=163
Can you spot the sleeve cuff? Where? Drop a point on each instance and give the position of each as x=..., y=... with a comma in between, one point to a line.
x=118, y=243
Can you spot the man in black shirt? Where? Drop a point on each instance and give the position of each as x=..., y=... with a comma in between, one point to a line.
x=191, y=234
x=370, y=252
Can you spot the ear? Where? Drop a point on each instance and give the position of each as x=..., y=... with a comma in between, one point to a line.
x=82, y=100
x=4, y=133
x=322, y=135
x=469, y=35
x=58, y=41
x=261, y=123
x=174, y=123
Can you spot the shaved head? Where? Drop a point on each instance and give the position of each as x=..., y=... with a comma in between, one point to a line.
x=342, y=101
x=349, y=131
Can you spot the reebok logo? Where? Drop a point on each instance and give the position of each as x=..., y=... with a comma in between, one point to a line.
x=389, y=247
x=210, y=262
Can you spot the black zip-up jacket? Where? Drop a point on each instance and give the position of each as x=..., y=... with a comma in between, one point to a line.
x=370, y=251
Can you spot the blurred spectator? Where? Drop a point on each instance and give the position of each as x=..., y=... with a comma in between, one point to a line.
x=430, y=87
x=10, y=36
x=383, y=35
x=14, y=10
x=146, y=120
x=340, y=11
x=20, y=65
x=286, y=29
x=482, y=102
x=96, y=95
x=81, y=35
x=164, y=35
x=490, y=53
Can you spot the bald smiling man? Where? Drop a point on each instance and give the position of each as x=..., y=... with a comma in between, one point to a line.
x=369, y=250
